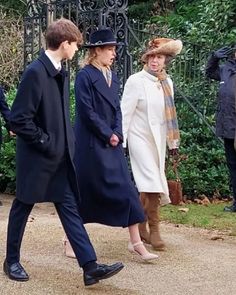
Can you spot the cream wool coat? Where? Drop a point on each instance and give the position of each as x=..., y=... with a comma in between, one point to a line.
x=144, y=127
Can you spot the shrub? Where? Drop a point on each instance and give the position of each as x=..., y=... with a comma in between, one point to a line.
x=205, y=170
x=11, y=53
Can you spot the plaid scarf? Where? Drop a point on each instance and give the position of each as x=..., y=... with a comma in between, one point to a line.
x=172, y=135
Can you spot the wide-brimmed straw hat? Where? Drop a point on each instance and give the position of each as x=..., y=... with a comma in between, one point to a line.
x=102, y=37
x=166, y=46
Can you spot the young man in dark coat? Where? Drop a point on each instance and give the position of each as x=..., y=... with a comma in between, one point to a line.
x=226, y=112
x=45, y=151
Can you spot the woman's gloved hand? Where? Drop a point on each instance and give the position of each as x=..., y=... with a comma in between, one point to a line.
x=222, y=52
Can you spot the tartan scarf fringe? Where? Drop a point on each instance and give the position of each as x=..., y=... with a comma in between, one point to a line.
x=173, y=134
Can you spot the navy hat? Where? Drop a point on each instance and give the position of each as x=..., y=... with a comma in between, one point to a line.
x=102, y=37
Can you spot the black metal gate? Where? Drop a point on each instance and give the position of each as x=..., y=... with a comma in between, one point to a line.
x=187, y=70
x=87, y=15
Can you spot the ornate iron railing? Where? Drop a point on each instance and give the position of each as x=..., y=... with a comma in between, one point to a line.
x=87, y=15
x=187, y=69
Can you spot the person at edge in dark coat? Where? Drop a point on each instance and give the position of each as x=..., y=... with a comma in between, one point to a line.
x=108, y=195
x=44, y=157
x=5, y=112
x=225, y=73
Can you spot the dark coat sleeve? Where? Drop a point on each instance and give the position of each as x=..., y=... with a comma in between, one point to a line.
x=84, y=98
x=118, y=127
x=23, y=120
x=213, y=68
x=4, y=109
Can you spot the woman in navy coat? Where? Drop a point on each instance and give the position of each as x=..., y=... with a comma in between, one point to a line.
x=107, y=192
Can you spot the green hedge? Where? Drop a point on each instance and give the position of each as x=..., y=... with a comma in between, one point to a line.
x=204, y=170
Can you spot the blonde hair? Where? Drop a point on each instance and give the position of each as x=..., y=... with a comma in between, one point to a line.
x=89, y=57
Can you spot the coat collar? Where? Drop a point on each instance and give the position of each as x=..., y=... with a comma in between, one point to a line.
x=231, y=64
x=43, y=58
x=149, y=76
x=99, y=82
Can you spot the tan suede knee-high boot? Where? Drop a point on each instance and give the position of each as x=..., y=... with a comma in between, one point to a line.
x=153, y=212
x=144, y=234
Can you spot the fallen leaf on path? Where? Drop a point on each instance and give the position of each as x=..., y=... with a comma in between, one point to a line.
x=198, y=201
x=206, y=201
x=183, y=209
x=189, y=202
x=214, y=238
x=30, y=219
x=181, y=203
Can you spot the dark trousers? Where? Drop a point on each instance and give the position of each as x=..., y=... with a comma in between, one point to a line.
x=230, y=154
x=71, y=222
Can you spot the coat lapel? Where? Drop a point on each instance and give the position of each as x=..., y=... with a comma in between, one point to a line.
x=48, y=64
x=99, y=82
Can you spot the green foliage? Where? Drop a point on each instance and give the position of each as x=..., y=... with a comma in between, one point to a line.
x=14, y=6
x=206, y=22
x=204, y=171
x=140, y=9
x=72, y=103
x=11, y=49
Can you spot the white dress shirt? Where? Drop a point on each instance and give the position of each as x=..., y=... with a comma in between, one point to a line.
x=56, y=64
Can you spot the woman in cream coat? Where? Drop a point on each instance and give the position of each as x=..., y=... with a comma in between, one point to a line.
x=149, y=124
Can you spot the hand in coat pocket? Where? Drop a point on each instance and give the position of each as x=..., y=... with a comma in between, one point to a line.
x=46, y=144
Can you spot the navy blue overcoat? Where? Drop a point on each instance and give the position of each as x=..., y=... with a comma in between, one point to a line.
x=108, y=195
x=225, y=111
x=4, y=111
x=45, y=138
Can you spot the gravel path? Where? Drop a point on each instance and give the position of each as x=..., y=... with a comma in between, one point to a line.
x=192, y=263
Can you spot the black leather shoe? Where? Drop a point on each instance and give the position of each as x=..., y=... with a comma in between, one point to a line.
x=15, y=272
x=101, y=272
x=230, y=208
